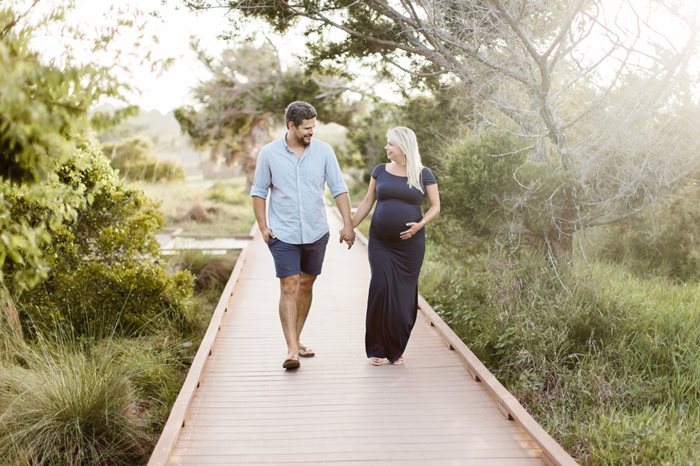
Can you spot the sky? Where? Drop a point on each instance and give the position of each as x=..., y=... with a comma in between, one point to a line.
x=173, y=27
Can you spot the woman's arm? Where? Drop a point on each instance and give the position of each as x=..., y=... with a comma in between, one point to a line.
x=434, y=198
x=366, y=205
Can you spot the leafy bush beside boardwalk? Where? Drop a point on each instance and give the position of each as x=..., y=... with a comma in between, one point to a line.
x=101, y=262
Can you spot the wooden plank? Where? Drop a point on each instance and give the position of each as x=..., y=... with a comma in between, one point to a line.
x=225, y=460
x=206, y=456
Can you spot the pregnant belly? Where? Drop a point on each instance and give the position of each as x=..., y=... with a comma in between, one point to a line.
x=390, y=217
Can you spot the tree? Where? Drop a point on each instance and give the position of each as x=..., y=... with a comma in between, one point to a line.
x=246, y=96
x=44, y=106
x=44, y=112
x=556, y=73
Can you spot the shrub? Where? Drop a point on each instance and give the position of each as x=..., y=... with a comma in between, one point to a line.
x=210, y=272
x=132, y=158
x=104, y=274
x=229, y=193
x=661, y=241
x=68, y=407
x=476, y=183
x=99, y=300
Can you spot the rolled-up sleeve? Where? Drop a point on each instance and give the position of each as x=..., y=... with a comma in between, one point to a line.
x=262, y=180
x=334, y=177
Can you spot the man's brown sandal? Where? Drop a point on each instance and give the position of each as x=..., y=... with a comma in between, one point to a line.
x=306, y=352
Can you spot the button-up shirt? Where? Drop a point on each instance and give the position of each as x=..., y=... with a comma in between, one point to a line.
x=296, y=208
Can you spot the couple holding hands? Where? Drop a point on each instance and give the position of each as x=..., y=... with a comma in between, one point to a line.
x=291, y=174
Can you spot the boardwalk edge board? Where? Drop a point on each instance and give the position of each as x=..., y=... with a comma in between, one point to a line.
x=176, y=419
x=553, y=453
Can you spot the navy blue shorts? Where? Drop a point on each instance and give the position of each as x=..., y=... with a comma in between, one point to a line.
x=292, y=259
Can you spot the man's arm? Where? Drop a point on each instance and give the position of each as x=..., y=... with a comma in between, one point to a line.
x=261, y=217
x=347, y=233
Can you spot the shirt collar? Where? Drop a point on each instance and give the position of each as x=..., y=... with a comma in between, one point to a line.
x=286, y=146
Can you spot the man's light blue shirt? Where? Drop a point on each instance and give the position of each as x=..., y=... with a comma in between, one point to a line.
x=296, y=208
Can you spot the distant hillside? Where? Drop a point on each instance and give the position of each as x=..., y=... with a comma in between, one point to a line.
x=164, y=131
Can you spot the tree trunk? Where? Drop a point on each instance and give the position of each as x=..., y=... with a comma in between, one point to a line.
x=250, y=147
x=560, y=236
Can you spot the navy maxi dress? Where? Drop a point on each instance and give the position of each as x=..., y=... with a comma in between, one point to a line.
x=395, y=264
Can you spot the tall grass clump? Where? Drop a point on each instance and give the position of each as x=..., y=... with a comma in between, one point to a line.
x=607, y=361
x=65, y=406
x=157, y=366
x=211, y=272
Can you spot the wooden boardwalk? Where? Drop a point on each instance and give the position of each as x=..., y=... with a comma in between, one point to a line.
x=238, y=406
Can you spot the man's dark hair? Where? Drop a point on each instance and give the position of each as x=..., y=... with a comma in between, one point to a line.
x=299, y=111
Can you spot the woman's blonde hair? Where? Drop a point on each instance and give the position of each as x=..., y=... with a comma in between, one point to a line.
x=405, y=139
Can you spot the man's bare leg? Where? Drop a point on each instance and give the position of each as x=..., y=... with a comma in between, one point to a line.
x=304, y=297
x=289, y=290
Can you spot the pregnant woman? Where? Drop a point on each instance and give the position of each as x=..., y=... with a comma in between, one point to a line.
x=396, y=244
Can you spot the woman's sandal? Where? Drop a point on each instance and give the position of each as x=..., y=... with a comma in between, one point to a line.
x=378, y=361
x=398, y=362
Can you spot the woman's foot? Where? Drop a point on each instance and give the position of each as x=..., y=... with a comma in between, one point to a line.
x=378, y=361
x=398, y=362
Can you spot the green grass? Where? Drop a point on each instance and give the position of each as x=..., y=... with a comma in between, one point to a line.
x=611, y=367
x=66, y=406
x=229, y=210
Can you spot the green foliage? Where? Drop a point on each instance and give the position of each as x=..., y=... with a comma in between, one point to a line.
x=600, y=358
x=134, y=160
x=210, y=272
x=377, y=30
x=370, y=136
x=103, y=275
x=663, y=240
x=99, y=300
x=158, y=366
x=43, y=110
x=477, y=182
x=42, y=106
x=63, y=406
x=648, y=436
x=228, y=193
x=439, y=119
x=29, y=215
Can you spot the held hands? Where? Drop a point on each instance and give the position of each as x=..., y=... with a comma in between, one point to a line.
x=413, y=228
x=347, y=234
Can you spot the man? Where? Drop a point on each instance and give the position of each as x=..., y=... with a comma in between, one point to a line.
x=294, y=171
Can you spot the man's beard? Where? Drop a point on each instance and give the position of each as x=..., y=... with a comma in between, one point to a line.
x=302, y=140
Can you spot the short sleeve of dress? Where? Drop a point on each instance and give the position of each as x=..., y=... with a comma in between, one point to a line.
x=428, y=177
x=376, y=171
